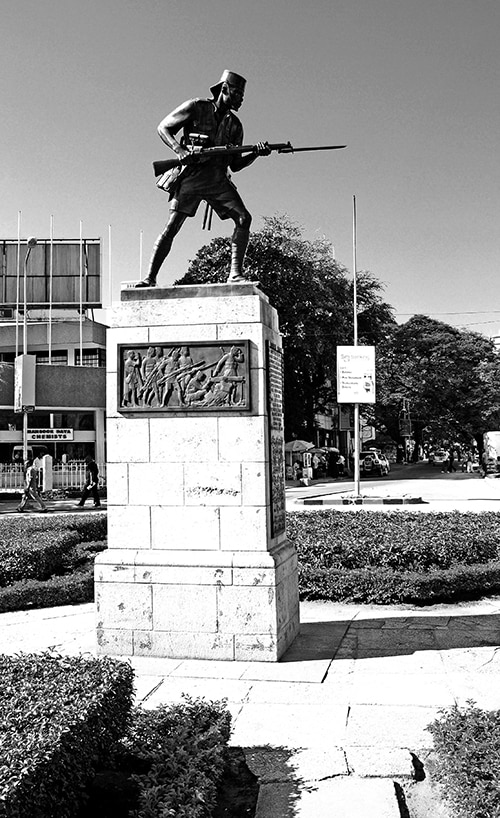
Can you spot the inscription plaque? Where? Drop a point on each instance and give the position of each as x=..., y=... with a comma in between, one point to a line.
x=274, y=374
x=190, y=378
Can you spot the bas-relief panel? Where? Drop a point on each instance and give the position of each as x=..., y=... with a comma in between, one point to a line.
x=191, y=377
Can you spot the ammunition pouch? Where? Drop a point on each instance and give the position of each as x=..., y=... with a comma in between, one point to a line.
x=168, y=180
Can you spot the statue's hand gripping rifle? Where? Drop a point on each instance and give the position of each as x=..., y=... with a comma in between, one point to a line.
x=163, y=166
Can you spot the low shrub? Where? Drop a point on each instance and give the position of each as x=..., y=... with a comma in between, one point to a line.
x=398, y=556
x=75, y=588
x=384, y=586
x=45, y=562
x=19, y=530
x=60, y=717
x=38, y=558
x=467, y=760
x=398, y=540
x=181, y=751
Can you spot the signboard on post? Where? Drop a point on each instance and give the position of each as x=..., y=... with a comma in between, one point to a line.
x=24, y=383
x=356, y=374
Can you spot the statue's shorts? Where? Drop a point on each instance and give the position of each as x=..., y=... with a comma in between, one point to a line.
x=220, y=194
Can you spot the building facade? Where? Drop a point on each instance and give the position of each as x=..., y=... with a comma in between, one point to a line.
x=68, y=418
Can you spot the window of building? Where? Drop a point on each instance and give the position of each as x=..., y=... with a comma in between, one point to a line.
x=59, y=357
x=91, y=357
x=7, y=357
x=84, y=421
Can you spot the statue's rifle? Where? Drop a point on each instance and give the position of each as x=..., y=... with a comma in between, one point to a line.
x=195, y=152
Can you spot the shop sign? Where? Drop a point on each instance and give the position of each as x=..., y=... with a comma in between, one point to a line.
x=356, y=374
x=47, y=435
x=24, y=383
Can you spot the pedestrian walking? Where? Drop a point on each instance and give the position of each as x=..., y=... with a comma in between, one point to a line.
x=30, y=488
x=91, y=483
x=451, y=461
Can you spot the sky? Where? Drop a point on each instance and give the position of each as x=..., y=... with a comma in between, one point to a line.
x=410, y=86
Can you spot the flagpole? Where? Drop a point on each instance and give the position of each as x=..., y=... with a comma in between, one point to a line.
x=81, y=293
x=18, y=278
x=110, y=282
x=357, y=481
x=51, y=271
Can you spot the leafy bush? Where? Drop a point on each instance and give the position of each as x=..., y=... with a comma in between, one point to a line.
x=60, y=716
x=46, y=561
x=181, y=749
x=19, y=530
x=384, y=586
x=467, y=760
x=38, y=558
x=401, y=540
x=399, y=556
x=75, y=588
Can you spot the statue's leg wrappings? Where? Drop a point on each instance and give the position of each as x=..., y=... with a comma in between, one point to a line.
x=162, y=248
x=239, y=243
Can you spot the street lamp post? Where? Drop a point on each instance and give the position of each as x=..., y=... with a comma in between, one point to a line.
x=30, y=243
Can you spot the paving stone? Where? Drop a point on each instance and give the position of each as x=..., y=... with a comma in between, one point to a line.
x=389, y=726
x=304, y=726
x=385, y=762
x=339, y=797
x=281, y=764
x=400, y=689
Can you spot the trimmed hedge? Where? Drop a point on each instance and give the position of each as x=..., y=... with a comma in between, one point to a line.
x=45, y=562
x=383, y=586
x=60, y=717
x=74, y=588
x=411, y=541
x=38, y=558
x=19, y=530
x=400, y=556
x=467, y=760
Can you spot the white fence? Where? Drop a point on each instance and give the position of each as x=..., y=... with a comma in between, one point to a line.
x=64, y=476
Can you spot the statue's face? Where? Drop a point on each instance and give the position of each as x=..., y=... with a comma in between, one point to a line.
x=233, y=97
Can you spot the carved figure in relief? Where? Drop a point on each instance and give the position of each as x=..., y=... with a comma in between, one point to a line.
x=131, y=379
x=228, y=367
x=170, y=372
x=197, y=389
x=186, y=363
x=150, y=387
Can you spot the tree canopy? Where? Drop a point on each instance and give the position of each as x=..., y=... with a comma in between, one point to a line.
x=313, y=295
x=450, y=376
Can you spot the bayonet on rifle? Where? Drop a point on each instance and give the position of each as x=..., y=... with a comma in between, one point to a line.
x=164, y=165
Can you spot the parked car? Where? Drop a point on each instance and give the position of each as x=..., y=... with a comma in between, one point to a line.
x=373, y=461
x=438, y=457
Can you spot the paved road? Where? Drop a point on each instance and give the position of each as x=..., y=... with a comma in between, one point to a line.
x=9, y=503
x=438, y=491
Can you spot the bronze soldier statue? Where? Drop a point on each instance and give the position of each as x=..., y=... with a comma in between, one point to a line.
x=206, y=123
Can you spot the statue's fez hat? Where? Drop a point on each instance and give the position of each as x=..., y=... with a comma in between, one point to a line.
x=232, y=79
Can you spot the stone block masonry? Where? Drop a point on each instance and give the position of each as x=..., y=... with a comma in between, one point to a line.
x=198, y=563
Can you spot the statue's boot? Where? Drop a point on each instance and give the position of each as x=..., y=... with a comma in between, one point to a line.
x=239, y=242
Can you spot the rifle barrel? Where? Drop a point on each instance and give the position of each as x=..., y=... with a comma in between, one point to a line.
x=314, y=148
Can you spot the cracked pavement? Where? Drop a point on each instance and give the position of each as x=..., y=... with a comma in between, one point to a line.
x=337, y=720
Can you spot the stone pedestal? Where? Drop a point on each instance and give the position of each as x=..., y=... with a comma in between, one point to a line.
x=198, y=564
